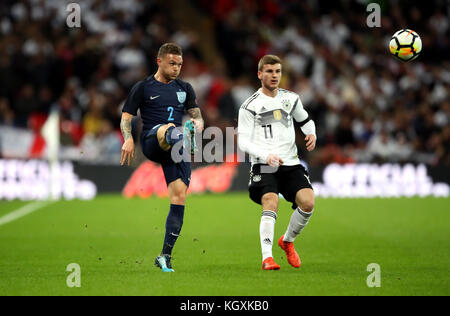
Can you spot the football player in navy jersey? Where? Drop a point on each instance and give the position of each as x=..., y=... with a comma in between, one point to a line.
x=162, y=100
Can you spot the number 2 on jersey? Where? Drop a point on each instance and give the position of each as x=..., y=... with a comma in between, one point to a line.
x=170, y=109
x=268, y=131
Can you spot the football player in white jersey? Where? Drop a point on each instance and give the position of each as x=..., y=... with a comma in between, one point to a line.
x=266, y=132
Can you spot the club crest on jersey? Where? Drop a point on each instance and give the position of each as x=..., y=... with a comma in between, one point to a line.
x=286, y=104
x=277, y=115
x=181, y=96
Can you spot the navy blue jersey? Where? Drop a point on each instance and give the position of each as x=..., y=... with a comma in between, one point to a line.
x=160, y=103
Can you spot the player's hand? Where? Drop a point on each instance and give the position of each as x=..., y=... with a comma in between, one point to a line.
x=127, y=152
x=199, y=124
x=310, y=142
x=274, y=161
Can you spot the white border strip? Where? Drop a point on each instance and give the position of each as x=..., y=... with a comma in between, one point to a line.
x=23, y=211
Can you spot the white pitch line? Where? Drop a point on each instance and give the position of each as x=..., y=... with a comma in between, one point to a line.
x=24, y=210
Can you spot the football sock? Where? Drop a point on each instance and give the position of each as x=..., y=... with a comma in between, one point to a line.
x=173, y=135
x=174, y=223
x=266, y=231
x=298, y=221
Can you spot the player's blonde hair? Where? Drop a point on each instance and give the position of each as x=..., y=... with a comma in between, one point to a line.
x=268, y=60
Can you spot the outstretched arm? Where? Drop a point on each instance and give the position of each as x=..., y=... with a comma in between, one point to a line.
x=196, y=118
x=128, y=146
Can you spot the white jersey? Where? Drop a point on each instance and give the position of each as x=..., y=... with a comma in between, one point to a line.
x=266, y=126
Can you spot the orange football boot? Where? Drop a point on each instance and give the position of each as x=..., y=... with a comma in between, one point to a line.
x=270, y=264
x=291, y=254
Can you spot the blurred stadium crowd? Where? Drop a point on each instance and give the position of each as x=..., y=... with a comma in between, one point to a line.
x=367, y=106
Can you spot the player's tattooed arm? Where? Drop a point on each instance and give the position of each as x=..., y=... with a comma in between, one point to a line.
x=195, y=113
x=196, y=117
x=128, y=145
x=125, y=126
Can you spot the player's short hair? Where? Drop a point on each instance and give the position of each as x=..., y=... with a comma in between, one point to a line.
x=170, y=48
x=268, y=60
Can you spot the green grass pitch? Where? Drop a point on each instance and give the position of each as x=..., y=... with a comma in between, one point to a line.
x=115, y=241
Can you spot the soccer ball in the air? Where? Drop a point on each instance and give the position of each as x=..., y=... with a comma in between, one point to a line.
x=405, y=45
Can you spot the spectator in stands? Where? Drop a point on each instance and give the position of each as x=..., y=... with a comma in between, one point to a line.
x=7, y=116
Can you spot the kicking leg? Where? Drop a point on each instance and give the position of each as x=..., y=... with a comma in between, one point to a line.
x=168, y=136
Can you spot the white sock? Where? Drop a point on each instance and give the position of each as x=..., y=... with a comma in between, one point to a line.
x=298, y=221
x=266, y=231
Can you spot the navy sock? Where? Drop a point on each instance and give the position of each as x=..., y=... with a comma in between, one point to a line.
x=173, y=135
x=174, y=223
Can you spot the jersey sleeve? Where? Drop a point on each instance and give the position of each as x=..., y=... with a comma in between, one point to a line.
x=134, y=99
x=246, y=124
x=191, y=99
x=301, y=116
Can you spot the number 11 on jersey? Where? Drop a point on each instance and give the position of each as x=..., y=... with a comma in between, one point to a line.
x=268, y=131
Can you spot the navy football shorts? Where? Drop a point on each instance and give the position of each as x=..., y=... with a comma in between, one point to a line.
x=172, y=170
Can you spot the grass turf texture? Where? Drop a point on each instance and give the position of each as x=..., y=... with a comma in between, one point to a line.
x=115, y=241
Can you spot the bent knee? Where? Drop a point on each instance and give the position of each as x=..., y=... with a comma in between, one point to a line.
x=307, y=205
x=178, y=198
x=269, y=201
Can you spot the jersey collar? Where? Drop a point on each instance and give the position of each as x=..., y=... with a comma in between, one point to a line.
x=265, y=95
